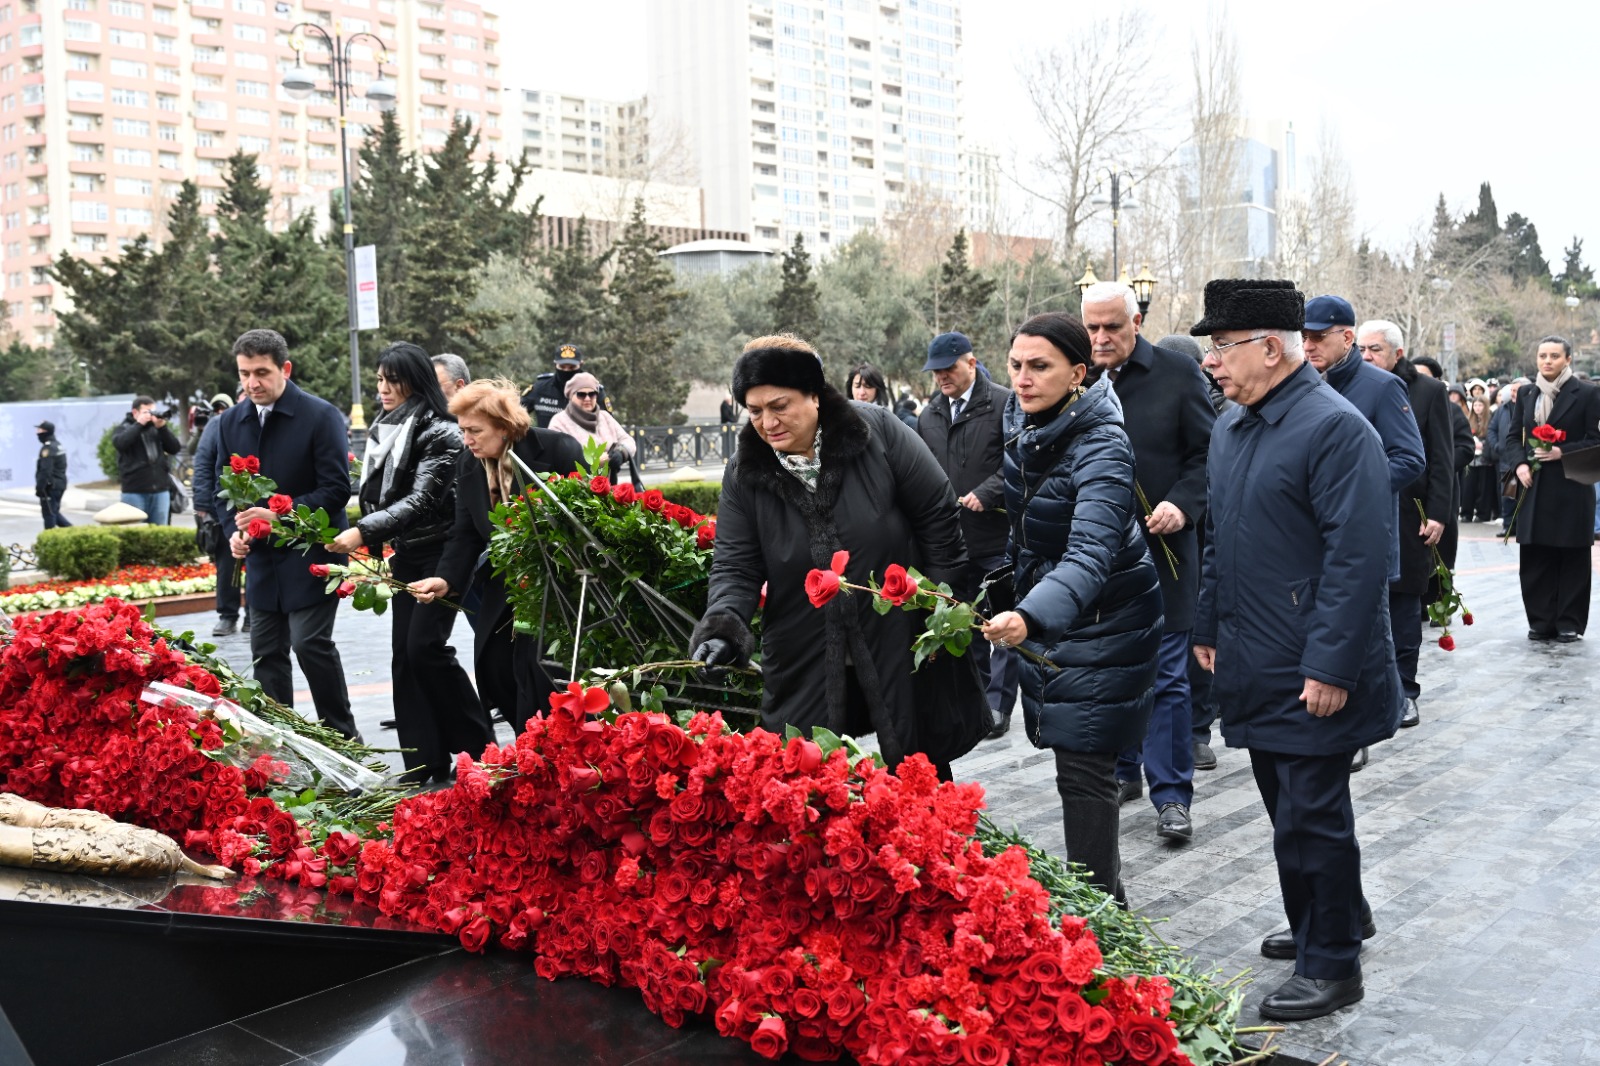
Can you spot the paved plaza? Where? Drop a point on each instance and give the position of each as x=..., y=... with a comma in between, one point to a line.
x=1480, y=834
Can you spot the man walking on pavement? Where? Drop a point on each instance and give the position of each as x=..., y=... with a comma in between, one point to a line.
x=1383, y=345
x=961, y=425
x=50, y=476
x=1168, y=418
x=1329, y=339
x=1293, y=620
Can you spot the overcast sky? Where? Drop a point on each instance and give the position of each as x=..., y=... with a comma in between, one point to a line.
x=1424, y=96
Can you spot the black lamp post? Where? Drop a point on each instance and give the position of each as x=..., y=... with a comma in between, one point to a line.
x=299, y=84
x=1118, y=203
x=1144, y=286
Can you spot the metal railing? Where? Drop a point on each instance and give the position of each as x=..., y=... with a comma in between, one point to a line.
x=674, y=446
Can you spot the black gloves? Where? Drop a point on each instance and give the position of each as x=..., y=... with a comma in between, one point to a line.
x=714, y=653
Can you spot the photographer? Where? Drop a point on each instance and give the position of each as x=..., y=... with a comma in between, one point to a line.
x=143, y=443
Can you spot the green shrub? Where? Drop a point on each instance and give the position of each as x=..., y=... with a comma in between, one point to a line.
x=106, y=452
x=143, y=545
x=78, y=552
x=696, y=495
x=5, y=569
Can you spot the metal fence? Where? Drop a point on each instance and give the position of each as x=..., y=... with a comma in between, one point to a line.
x=668, y=447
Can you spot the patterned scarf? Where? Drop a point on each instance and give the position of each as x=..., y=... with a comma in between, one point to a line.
x=806, y=470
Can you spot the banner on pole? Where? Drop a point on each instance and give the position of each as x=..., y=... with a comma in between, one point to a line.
x=367, y=287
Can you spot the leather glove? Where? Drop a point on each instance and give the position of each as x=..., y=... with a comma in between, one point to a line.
x=714, y=653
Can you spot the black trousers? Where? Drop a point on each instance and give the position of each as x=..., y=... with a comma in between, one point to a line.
x=436, y=711
x=1088, y=786
x=1405, y=621
x=1555, y=588
x=309, y=632
x=228, y=593
x=50, y=511
x=1319, y=863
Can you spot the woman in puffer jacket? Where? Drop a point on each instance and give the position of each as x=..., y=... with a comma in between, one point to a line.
x=1087, y=594
x=407, y=498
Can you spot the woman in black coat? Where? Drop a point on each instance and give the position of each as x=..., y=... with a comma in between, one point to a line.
x=407, y=498
x=1088, y=596
x=816, y=473
x=1555, y=519
x=493, y=425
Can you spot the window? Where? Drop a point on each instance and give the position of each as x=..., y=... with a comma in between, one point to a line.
x=87, y=91
x=251, y=88
x=89, y=242
x=90, y=211
x=463, y=41
x=126, y=38
x=286, y=120
x=128, y=68
x=464, y=66
x=250, y=60
x=167, y=160
x=464, y=17
x=126, y=8
x=80, y=183
x=130, y=97
x=167, y=74
x=81, y=61
x=166, y=102
x=33, y=34
x=255, y=145
x=132, y=157
x=251, y=7
x=249, y=33
x=205, y=139
x=86, y=153
x=34, y=94
x=79, y=30
x=134, y=187
x=253, y=116
x=207, y=54
x=165, y=15
x=132, y=127
x=166, y=45
x=210, y=109
x=166, y=132
x=135, y=216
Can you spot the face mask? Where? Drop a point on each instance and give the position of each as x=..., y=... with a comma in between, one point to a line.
x=42, y=435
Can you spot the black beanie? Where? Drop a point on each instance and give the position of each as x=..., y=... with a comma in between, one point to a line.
x=786, y=368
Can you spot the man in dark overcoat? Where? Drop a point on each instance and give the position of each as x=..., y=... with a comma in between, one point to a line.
x=1168, y=417
x=1555, y=532
x=1293, y=620
x=303, y=446
x=962, y=427
x=1421, y=533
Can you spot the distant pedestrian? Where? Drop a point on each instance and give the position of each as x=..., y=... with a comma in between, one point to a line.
x=547, y=396
x=866, y=383
x=209, y=536
x=584, y=420
x=728, y=412
x=143, y=443
x=50, y=476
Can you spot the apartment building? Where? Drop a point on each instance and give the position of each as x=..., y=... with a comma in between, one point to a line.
x=106, y=106
x=812, y=116
x=583, y=134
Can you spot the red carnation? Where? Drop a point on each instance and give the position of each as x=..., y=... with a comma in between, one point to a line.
x=345, y=589
x=897, y=585
x=624, y=493
x=599, y=485
x=258, y=527
x=279, y=504
x=1447, y=642
x=319, y=569
x=706, y=536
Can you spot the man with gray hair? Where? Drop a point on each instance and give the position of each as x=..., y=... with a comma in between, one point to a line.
x=452, y=371
x=1381, y=343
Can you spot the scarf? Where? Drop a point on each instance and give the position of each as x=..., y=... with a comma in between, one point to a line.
x=504, y=479
x=389, y=445
x=1547, y=394
x=588, y=420
x=804, y=469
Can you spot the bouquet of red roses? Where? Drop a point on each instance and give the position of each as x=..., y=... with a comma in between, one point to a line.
x=1544, y=438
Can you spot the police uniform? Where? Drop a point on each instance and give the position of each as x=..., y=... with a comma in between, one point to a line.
x=547, y=396
x=50, y=476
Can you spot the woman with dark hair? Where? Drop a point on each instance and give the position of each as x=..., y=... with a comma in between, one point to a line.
x=407, y=499
x=1087, y=594
x=815, y=474
x=494, y=425
x=865, y=383
x=1480, y=502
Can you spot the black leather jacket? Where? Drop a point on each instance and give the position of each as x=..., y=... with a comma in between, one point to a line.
x=420, y=504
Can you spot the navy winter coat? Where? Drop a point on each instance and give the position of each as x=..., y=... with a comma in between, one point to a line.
x=1381, y=398
x=1085, y=582
x=1295, y=578
x=305, y=449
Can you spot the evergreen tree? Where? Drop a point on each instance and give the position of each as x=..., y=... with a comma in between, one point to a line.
x=576, y=310
x=795, y=306
x=960, y=293
x=26, y=372
x=385, y=204
x=184, y=333
x=1574, y=275
x=107, y=308
x=635, y=363
x=1445, y=250
x=1526, y=258
x=1481, y=227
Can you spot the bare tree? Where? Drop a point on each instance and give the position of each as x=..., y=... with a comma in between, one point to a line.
x=1211, y=233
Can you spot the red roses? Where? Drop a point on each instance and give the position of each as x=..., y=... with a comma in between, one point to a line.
x=258, y=527
x=244, y=464
x=706, y=535
x=319, y=569
x=823, y=585
x=1548, y=435
x=279, y=504
x=898, y=587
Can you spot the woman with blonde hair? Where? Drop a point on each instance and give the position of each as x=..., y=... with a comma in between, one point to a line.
x=494, y=427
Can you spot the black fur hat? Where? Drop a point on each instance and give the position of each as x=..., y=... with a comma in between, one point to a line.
x=787, y=368
x=1251, y=303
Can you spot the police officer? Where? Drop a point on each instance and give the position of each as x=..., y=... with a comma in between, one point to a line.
x=50, y=476
x=547, y=396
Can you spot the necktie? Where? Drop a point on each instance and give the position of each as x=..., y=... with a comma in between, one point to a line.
x=956, y=406
x=1114, y=371
x=263, y=411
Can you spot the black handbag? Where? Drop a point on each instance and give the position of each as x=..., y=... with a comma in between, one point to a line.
x=997, y=592
x=178, y=503
x=952, y=706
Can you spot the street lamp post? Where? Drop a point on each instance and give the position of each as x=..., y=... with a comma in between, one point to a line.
x=1118, y=205
x=299, y=84
x=1144, y=287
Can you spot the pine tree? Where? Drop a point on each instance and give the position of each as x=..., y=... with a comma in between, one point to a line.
x=385, y=205
x=576, y=310
x=1574, y=276
x=1445, y=249
x=1522, y=245
x=635, y=362
x=26, y=372
x=960, y=293
x=795, y=307
x=1480, y=228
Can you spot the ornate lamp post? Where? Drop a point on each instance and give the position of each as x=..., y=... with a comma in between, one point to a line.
x=1118, y=203
x=1144, y=286
x=300, y=84
x=1087, y=280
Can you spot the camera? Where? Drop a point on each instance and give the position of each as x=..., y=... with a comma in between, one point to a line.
x=165, y=414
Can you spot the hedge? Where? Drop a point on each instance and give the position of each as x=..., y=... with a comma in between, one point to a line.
x=106, y=452
x=699, y=496
x=80, y=552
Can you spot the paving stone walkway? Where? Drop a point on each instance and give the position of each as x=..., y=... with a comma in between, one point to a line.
x=1480, y=836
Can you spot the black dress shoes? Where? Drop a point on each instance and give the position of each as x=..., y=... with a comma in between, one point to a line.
x=1359, y=760
x=1001, y=725
x=1301, y=998
x=225, y=627
x=1280, y=945
x=1204, y=757
x=1539, y=634
x=1173, y=823
x=1567, y=636
x=387, y=723
x=1129, y=790
x=1410, y=716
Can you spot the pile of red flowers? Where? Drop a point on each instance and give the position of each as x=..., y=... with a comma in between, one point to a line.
x=73, y=733
x=807, y=901
x=127, y=575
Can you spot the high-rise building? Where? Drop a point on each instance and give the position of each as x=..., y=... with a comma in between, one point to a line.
x=582, y=134
x=106, y=106
x=809, y=116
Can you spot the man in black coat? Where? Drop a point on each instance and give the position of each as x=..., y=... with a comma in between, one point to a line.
x=1555, y=531
x=50, y=476
x=962, y=427
x=143, y=443
x=1383, y=345
x=303, y=446
x=1168, y=417
x=1505, y=462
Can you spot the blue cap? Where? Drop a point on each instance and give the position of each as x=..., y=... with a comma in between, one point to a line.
x=1325, y=312
x=945, y=349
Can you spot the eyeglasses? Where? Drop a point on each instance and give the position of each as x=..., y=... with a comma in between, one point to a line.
x=1316, y=336
x=1218, y=349
x=591, y=395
